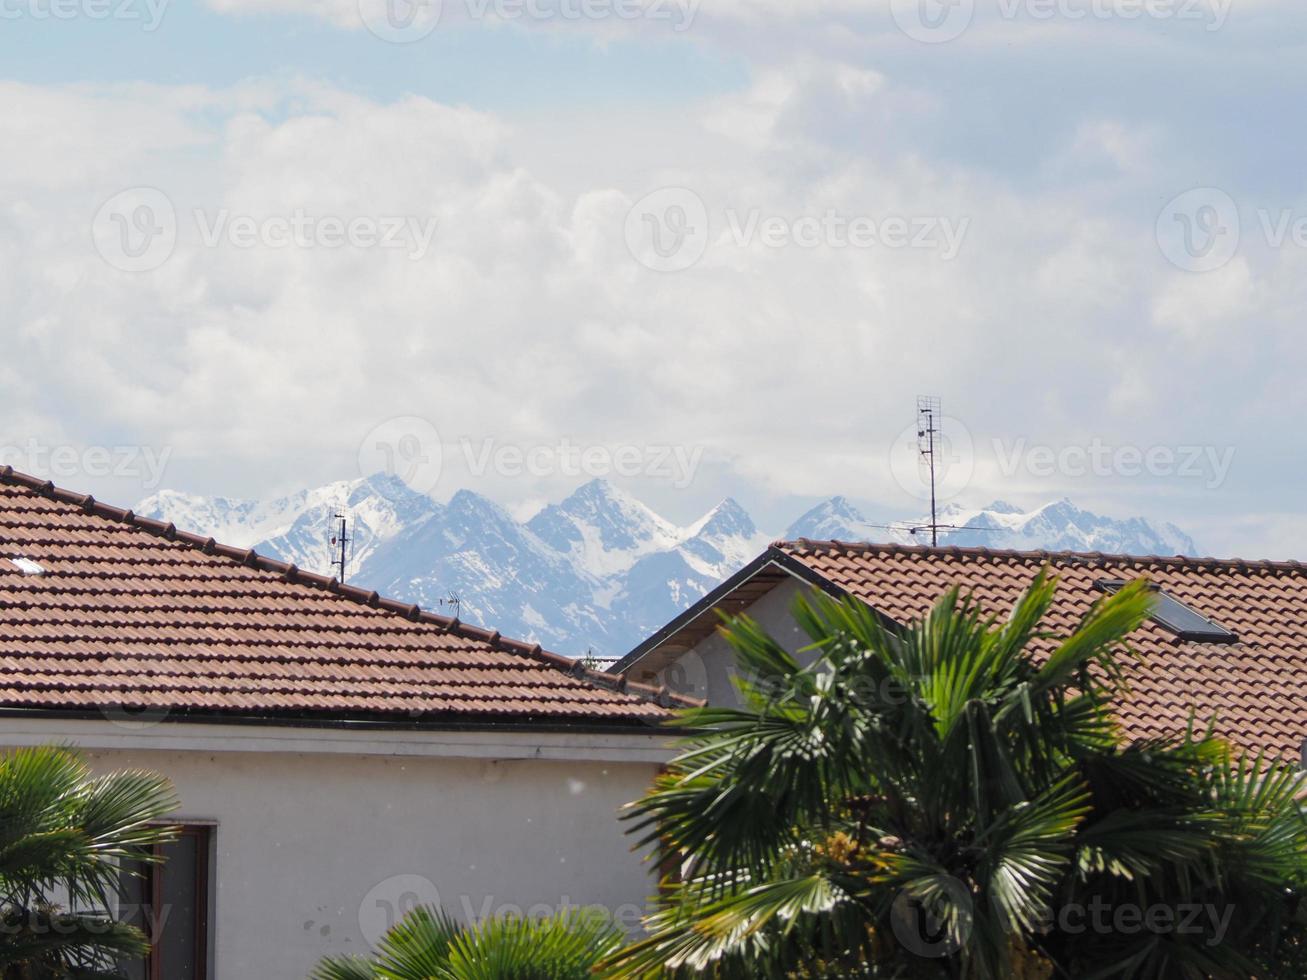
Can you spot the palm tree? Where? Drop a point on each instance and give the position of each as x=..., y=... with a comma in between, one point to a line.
x=63, y=834
x=428, y=945
x=953, y=799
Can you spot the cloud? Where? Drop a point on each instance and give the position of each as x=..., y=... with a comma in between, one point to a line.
x=526, y=319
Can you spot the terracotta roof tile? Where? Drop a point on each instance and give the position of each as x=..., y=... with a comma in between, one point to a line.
x=130, y=614
x=1253, y=686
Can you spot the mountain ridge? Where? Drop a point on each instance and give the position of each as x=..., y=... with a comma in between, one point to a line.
x=596, y=572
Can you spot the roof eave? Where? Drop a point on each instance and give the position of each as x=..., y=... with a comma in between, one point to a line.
x=773, y=556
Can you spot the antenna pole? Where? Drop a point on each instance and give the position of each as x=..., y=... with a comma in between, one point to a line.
x=342, y=540
x=927, y=429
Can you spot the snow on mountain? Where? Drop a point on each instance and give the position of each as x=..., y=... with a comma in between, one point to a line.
x=603, y=530
x=501, y=573
x=1057, y=526
x=831, y=520
x=595, y=573
x=299, y=527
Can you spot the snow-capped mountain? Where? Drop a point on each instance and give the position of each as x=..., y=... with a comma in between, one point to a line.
x=596, y=572
x=1057, y=526
x=299, y=528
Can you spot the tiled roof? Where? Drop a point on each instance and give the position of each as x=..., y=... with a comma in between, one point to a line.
x=1256, y=687
x=123, y=613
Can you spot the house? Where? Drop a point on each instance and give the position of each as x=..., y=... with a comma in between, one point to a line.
x=339, y=756
x=1228, y=638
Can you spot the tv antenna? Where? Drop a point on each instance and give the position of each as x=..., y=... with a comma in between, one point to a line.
x=927, y=431
x=929, y=441
x=453, y=602
x=342, y=539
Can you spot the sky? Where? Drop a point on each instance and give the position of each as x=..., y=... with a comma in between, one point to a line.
x=698, y=247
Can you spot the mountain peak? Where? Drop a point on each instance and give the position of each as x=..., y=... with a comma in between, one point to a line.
x=836, y=519
x=386, y=484
x=1003, y=507
x=603, y=529
x=593, y=491
x=728, y=517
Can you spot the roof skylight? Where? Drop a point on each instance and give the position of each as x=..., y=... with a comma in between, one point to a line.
x=1172, y=614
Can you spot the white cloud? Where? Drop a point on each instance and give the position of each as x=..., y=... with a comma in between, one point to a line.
x=528, y=320
x=1220, y=300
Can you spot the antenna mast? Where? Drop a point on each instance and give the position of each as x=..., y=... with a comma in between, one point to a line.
x=341, y=539
x=927, y=430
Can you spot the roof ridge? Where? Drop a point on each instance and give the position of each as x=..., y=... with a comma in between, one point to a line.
x=250, y=558
x=1066, y=557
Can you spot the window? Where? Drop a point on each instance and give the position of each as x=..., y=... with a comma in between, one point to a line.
x=1172, y=614
x=169, y=902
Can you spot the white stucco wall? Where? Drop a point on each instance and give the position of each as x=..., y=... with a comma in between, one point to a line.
x=312, y=841
x=706, y=670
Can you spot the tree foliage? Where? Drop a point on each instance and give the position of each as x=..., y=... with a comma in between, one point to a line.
x=429, y=945
x=954, y=799
x=63, y=833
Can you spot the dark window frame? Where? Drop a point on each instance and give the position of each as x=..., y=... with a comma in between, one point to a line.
x=203, y=833
x=1215, y=633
